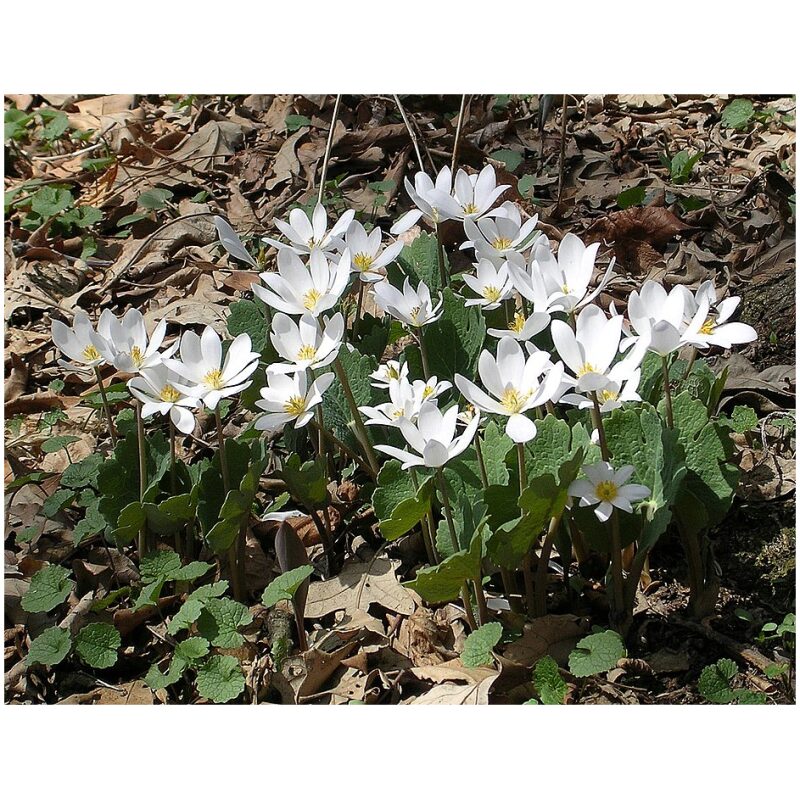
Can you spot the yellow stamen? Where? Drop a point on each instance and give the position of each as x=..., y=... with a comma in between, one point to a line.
x=491, y=293
x=306, y=353
x=90, y=353
x=606, y=491
x=414, y=313
x=392, y=374
x=137, y=356
x=362, y=261
x=565, y=288
x=169, y=394
x=585, y=369
x=213, y=378
x=604, y=395
x=295, y=405
x=398, y=412
x=518, y=324
x=470, y=208
x=708, y=326
x=427, y=391
x=513, y=400
x=502, y=244
x=311, y=298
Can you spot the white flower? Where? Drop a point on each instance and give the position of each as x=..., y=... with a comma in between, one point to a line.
x=366, y=258
x=514, y=385
x=304, y=344
x=430, y=389
x=84, y=347
x=521, y=327
x=608, y=487
x=411, y=307
x=473, y=195
x=287, y=398
x=308, y=235
x=652, y=311
x=589, y=351
x=566, y=277
x=210, y=377
x=232, y=243
x=490, y=283
x=621, y=388
x=494, y=238
x=405, y=401
x=433, y=437
x=707, y=319
x=386, y=373
x=158, y=391
x=422, y=197
x=132, y=352
x=297, y=289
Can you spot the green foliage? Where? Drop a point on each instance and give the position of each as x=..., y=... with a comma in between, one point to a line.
x=294, y=122
x=285, y=586
x=526, y=186
x=158, y=568
x=97, y=644
x=190, y=611
x=82, y=473
x=49, y=201
x=155, y=199
x=634, y=196
x=305, y=482
x=57, y=443
x=220, y=679
x=57, y=501
x=480, y=643
x=550, y=686
x=50, y=647
x=50, y=587
x=738, y=114
x=440, y=583
x=596, y=653
x=716, y=685
x=681, y=166
x=743, y=419
x=220, y=619
x=420, y=262
x=247, y=316
x=398, y=505
x=469, y=518
x=511, y=158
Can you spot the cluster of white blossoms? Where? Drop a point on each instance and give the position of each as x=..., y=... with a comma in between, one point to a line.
x=594, y=361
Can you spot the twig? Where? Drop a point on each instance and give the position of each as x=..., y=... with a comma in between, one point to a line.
x=69, y=155
x=328, y=148
x=458, y=134
x=410, y=131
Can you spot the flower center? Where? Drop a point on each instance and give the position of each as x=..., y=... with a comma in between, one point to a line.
x=708, y=327
x=306, y=353
x=137, y=356
x=565, y=288
x=502, y=244
x=606, y=491
x=213, y=378
x=518, y=324
x=392, y=374
x=513, y=400
x=605, y=395
x=414, y=314
x=585, y=369
x=398, y=412
x=90, y=353
x=470, y=208
x=311, y=298
x=362, y=261
x=295, y=405
x=491, y=293
x=169, y=394
x=427, y=391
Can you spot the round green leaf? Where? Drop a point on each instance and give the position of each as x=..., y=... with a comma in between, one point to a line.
x=50, y=647
x=220, y=679
x=97, y=644
x=49, y=588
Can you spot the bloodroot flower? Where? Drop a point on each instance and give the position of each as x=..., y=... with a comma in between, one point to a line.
x=128, y=340
x=309, y=234
x=210, y=378
x=304, y=344
x=287, y=398
x=411, y=307
x=366, y=258
x=158, y=391
x=84, y=347
x=708, y=319
x=608, y=487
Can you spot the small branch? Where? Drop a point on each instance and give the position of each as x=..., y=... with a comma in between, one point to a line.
x=410, y=131
x=459, y=125
x=328, y=148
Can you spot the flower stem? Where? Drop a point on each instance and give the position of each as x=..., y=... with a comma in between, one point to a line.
x=359, y=303
x=667, y=392
x=342, y=446
x=106, y=407
x=527, y=571
x=142, y=475
x=689, y=366
x=440, y=255
x=540, y=591
x=173, y=479
x=328, y=148
x=597, y=419
x=423, y=351
x=481, y=462
x=459, y=124
x=361, y=430
x=235, y=568
x=427, y=535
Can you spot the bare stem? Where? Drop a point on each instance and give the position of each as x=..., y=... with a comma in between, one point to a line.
x=667, y=392
x=106, y=407
x=423, y=351
x=459, y=125
x=142, y=475
x=597, y=418
x=427, y=534
x=359, y=303
x=540, y=592
x=328, y=147
x=440, y=255
x=235, y=568
x=689, y=366
x=363, y=436
x=342, y=446
x=410, y=130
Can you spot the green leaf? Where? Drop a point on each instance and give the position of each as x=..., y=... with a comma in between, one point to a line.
x=549, y=684
x=715, y=681
x=596, y=653
x=211, y=493
x=50, y=647
x=220, y=619
x=420, y=261
x=469, y=518
x=480, y=643
x=398, y=505
x=494, y=448
x=156, y=679
x=526, y=186
x=284, y=586
x=159, y=565
x=192, y=649
x=56, y=443
x=549, y=449
x=82, y=473
x=49, y=201
x=743, y=419
x=192, y=571
x=220, y=679
x=57, y=501
x=511, y=158
x=306, y=482
x=294, y=122
x=631, y=197
x=247, y=316
x=193, y=605
x=92, y=523
x=440, y=583
x=97, y=644
x=155, y=199
x=738, y=113
x=50, y=587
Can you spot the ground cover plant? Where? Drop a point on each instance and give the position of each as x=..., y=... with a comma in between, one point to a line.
x=296, y=425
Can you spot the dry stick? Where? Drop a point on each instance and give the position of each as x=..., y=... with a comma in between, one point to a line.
x=563, y=149
x=448, y=513
x=667, y=393
x=233, y=565
x=410, y=131
x=616, y=543
x=361, y=431
x=106, y=407
x=323, y=457
x=459, y=124
x=527, y=573
x=328, y=147
x=142, y=476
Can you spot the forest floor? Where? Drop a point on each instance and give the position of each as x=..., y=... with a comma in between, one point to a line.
x=678, y=188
